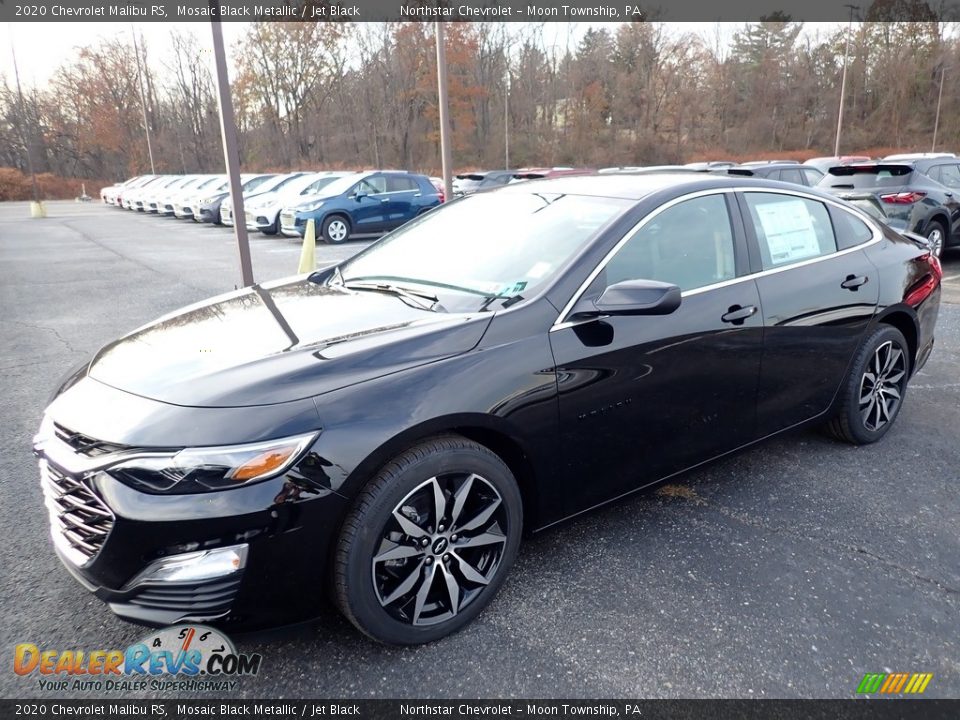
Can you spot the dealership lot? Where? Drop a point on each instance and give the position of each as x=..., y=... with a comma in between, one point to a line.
x=789, y=570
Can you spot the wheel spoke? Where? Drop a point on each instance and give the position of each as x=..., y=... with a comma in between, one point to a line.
x=867, y=412
x=893, y=359
x=470, y=572
x=892, y=391
x=459, y=498
x=884, y=410
x=439, y=503
x=398, y=553
x=453, y=589
x=423, y=592
x=404, y=587
x=895, y=377
x=409, y=526
x=482, y=516
x=865, y=395
x=480, y=540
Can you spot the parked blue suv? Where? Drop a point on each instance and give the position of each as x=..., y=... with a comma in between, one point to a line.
x=365, y=203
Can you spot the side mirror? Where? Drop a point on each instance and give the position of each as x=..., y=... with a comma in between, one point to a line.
x=631, y=297
x=360, y=195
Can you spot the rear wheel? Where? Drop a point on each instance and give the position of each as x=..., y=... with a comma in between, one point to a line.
x=428, y=542
x=874, y=390
x=937, y=236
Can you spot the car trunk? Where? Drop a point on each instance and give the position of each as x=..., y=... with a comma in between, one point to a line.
x=889, y=183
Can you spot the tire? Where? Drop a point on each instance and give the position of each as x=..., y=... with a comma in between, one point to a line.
x=272, y=229
x=866, y=415
x=436, y=581
x=336, y=229
x=937, y=235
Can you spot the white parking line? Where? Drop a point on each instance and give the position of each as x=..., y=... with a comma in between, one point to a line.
x=951, y=277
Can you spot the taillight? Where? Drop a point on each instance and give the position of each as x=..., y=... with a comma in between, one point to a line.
x=443, y=197
x=903, y=198
x=921, y=289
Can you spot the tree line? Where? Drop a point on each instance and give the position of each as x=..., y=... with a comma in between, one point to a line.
x=338, y=95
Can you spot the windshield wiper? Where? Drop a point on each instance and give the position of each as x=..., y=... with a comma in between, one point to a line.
x=412, y=297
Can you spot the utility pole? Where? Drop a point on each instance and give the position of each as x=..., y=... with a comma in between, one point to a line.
x=445, y=151
x=843, y=81
x=936, y=122
x=231, y=155
x=143, y=100
x=36, y=209
x=506, y=124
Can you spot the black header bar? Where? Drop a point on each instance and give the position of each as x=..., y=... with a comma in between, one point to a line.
x=469, y=10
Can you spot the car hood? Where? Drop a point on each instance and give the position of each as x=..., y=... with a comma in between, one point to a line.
x=280, y=342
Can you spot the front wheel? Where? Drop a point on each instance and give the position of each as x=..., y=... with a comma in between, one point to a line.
x=428, y=542
x=336, y=229
x=874, y=390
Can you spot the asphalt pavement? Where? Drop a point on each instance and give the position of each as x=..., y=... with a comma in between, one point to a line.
x=788, y=570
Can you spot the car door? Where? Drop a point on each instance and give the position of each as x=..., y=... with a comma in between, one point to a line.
x=817, y=302
x=641, y=397
x=401, y=191
x=369, y=205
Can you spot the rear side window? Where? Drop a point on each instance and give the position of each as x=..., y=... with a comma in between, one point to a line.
x=812, y=176
x=790, y=229
x=791, y=176
x=850, y=230
x=948, y=175
x=400, y=183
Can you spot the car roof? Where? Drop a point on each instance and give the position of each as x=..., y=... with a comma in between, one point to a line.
x=636, y=187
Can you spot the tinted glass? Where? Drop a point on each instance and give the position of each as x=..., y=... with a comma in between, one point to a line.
x=791, y=176
x=502, y=244
x=372, y=185
x=950, y=175
x=689, y=245
x=790, y=229
x=399, y=183
x=812, y=176
x=850, y=230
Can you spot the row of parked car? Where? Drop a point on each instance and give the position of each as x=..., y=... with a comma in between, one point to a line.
x=917, y=193
x=341, y=204
x=913, y=192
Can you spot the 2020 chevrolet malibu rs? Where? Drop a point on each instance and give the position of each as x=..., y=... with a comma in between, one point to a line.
x=384, y=431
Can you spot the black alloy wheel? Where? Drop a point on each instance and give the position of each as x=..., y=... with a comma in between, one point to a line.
x=874, y=390
x=428, y=542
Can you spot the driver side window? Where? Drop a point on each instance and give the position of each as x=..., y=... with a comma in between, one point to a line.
x=689, y=245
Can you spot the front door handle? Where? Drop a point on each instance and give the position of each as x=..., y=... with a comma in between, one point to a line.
x=736, y=314
x=853, y=282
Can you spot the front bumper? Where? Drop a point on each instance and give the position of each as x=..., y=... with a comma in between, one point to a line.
x=107, y=533
x=292, y=224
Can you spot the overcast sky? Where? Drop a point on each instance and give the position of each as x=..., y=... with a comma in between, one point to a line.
x=43, y=47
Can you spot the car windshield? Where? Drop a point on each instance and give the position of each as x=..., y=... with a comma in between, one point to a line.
x=327, y=184
x=485, y=251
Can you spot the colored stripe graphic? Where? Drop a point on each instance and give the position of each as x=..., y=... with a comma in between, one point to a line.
x=894, y=683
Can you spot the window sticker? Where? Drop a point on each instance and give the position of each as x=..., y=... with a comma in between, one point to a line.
x=539, y=270
x=789, y=229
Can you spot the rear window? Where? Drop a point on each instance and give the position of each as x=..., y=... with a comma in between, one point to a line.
x=852, y=177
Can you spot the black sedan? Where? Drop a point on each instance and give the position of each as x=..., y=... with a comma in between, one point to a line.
x=384, y=431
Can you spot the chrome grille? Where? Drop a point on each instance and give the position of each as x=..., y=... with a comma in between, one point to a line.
x=79, y=519
x=84, y=444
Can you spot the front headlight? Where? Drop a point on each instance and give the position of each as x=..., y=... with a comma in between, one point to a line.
x=310, y=207
x=197, y=470
x=208, y=201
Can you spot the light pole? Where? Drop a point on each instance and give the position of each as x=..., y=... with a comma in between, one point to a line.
x=143, y=100
x=936, y=122
x=231, y=154
x=843, y=81
x=445, y=152
x=506, y=123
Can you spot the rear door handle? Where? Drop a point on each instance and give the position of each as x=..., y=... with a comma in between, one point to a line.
x=736, y=314
x=853, y=282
